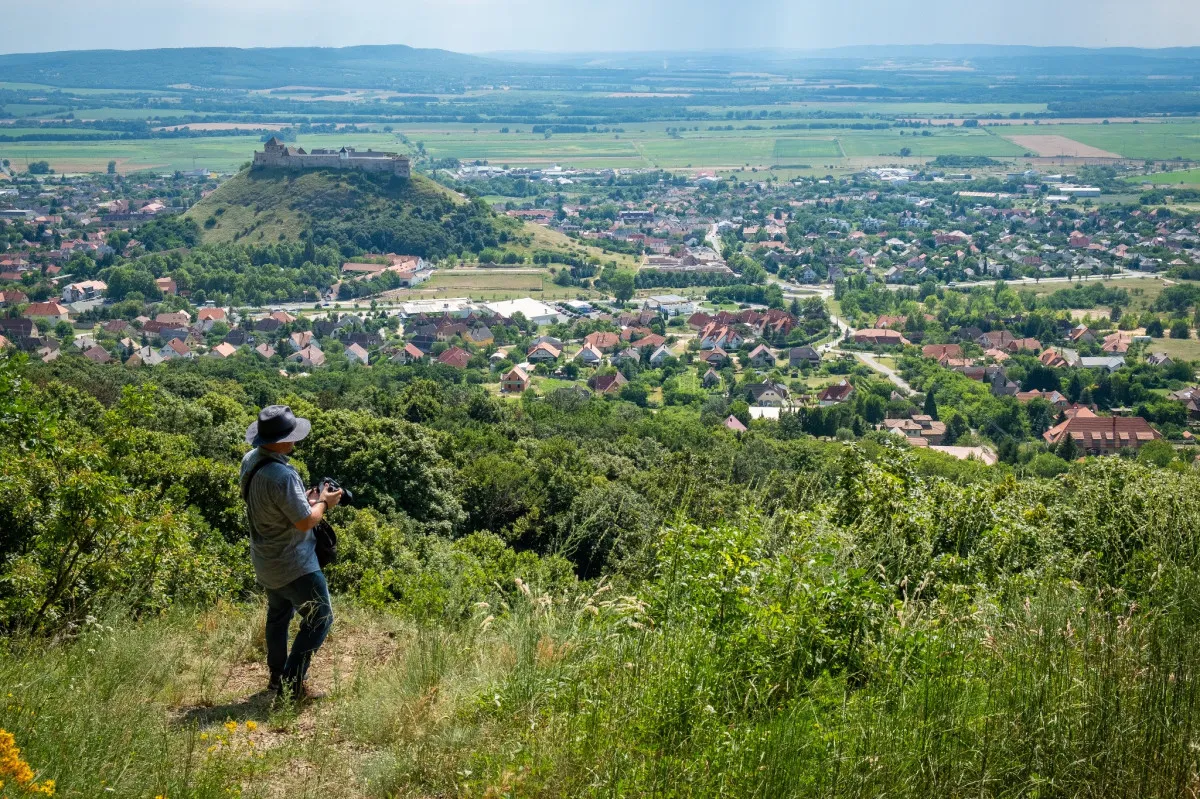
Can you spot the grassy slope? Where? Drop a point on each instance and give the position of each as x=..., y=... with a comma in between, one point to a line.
x=261, y=207
x=266, y=205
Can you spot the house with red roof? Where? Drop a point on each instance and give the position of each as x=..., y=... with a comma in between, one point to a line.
x=456, y=357
x=1103, y=435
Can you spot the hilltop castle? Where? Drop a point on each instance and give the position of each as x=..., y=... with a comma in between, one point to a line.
x=277, y=154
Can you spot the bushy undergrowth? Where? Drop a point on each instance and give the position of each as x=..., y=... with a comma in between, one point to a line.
x=761, y=617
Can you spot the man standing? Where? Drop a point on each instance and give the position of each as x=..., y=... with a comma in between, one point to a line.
x=283, y=548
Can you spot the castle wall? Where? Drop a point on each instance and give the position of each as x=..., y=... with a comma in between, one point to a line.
x=397, y=165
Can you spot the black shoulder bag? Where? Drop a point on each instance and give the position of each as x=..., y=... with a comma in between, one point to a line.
x=326, y=538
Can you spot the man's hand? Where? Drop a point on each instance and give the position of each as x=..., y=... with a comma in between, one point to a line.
x=330, y=498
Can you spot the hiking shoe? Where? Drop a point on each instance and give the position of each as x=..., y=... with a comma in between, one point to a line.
x=307, y=693
x=275, y=685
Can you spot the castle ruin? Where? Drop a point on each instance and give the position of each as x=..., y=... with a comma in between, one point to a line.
x=277, y=154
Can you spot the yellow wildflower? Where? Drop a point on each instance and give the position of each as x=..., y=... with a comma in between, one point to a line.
x=231, y=726
x=251, y=726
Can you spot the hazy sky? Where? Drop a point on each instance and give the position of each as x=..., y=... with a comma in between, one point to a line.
x=590, y=25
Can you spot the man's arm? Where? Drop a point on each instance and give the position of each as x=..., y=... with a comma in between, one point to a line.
x=302, y=510
x=325, y=499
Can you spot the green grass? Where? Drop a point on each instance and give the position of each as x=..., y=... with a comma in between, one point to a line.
x=1184, y=177
x=1167, y=140
x=641, y=145
x=83, y=133
x=944, y=141
x=789, y=148
x=600, y=695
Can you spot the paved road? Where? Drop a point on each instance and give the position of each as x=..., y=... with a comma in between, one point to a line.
x=870, y=360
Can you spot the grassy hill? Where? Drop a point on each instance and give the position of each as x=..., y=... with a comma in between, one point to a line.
x=371, y=212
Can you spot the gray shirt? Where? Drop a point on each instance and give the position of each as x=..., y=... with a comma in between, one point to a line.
x=280, y=552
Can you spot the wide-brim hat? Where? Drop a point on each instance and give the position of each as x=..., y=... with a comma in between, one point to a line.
x=277, y=424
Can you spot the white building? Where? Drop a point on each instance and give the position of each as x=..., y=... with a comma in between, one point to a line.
x=670, y=305
x=537, y=312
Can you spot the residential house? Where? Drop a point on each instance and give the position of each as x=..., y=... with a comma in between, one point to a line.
x=1159, y=359
x=265, y=350
x=515, y=382
x=84, y=290
x=802, y=356
x=480, y=336
x=356, y=354
x=933, y=432
x=409, y=354
x=761, y=357
x=942, y=352
x=732, y=423
x=837, y=393
x=996, y=339
x=50, y=313
x=207, y=317
x=768, y=394
x=607, y=384
x=97, y=354
x=176, y=348
x=660, y=356
x=589, y=356
x=1103, y=435
x=1081, y=334
x=309, y=357
x=1117, y=343
x=545, y=353
x=223, y=350
x=880, y=337
x=602, y=340
x=1053, y=397
x=715, y=357
x=1023, y=344
x=711, y=379
x=176, y=319
x=456, y=357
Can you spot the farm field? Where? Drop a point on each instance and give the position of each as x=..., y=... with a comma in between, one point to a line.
x=486, y=284
x=1183, y=177
x=219, y=153
x=1167, y=140
x=945, y=141
x=643, y=146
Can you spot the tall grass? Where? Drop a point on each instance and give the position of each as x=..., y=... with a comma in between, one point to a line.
x=907, y=641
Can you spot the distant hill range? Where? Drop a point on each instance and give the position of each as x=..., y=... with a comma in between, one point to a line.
x=395, y=67
x=408, y=69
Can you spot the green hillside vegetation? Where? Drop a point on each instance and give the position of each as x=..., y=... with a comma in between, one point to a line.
x=371, y=212
x=358, y=212
x=582, y=597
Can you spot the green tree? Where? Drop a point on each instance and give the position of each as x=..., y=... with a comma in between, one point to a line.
x=1179, y=329
x=931, y=408
x=64, y=332
x=1067, y=449
x=622, y=285
x=1158, y=452
x=39, y=168
x=112, y=167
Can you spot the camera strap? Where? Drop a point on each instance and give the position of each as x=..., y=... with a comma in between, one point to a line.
x=246, y=489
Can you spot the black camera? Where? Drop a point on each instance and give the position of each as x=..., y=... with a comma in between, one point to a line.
x=332, y=485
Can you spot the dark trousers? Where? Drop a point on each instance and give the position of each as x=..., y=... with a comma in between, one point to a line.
x=308, y=595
